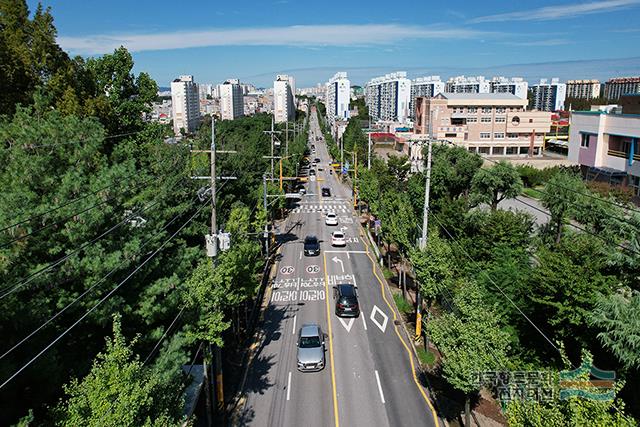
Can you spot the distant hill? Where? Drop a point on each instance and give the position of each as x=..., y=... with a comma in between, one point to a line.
x=164, y=89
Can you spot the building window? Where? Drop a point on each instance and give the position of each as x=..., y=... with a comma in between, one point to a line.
x=486, y=110
x=515, y=121
x=512, y=151
x=485, y=119
x=512, y=135
x=450, y=135
x=484, y=150
x=485, y=135
x=501, y=110
x=472, y=120
x=498, y=151
x=472, y=110
x=584, y=140
x=501, y=119
x=498, y=135
x=524, y=150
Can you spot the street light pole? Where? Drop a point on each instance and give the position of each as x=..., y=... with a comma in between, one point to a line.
x=369, y=152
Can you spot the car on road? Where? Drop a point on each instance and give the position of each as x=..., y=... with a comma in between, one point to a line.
x=311, y=246
x=310, y=348
x=302, y=190
x=326, y=192
x=331, y=219
x=312, y=172
x=338, y=239
x=346, y=296
x=316, y=160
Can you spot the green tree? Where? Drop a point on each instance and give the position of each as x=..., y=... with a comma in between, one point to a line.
x=618, y=319
x=494, y=184
x=433, y=267
x=452, y=171
x=561, y=197
x=119, y=390
x=399, y=168
x=470, y=340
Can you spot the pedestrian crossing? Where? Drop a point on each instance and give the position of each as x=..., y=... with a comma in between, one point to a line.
x=337, y=206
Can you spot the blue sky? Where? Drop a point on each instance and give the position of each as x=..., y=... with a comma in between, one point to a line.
x=254, y=40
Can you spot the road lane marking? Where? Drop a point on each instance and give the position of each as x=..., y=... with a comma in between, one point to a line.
x=293, y=330
x=363, y=317
x=289, y=386
x=406, y=347
x=377, y=379
x=345, y=252
x=338, y=260
x=375, y=310
x=347, y=324
x=300, y=257
x=333, y=372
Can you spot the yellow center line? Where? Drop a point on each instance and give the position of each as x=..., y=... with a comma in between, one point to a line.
x=406, y=347
x=333, y=372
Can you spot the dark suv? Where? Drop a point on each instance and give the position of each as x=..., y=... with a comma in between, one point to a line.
x=311, y=246
x=326, y=192
x=346, y=300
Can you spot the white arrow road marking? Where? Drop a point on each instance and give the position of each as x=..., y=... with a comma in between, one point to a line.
x=348, y=324
x=364, y=322
x=338, y=260
x=343, y=228
x=379, y=386
x=293, y=330
x=289, y=386
x=382, y=326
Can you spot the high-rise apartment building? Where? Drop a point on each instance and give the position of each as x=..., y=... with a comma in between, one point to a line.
x=338, y=96
x=231, y=102
x=495, y=124
x=583, y=89
x=462, y=84
x=426, y=87
x=185, y=104
x=615, y=88
x=549, y=96
x=388, y=97
x=284, y=108
x=515, y=86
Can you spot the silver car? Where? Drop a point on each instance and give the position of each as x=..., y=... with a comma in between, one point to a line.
x=310, y=348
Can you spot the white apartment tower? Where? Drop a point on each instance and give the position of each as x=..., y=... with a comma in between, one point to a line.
x=388, y=97
x=462, y=84
x=515, y=86
x=549, y=96
x=583, y=89
x=338, y=96
x=284, y=108
x=185, y=104
x=427, y=87
x=231, y=101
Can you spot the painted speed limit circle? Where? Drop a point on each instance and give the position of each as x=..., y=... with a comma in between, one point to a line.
x=287, y=269
x=313, y=269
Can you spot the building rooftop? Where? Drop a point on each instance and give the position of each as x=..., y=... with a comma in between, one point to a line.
x=479, y=96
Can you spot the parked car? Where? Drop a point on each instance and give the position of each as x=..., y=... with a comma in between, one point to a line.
x=310, y=348
x=326, y=192
x=331, y=219
x=346, y=297
x=338, y=239
x=311, y=246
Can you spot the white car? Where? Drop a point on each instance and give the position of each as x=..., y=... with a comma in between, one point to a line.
x=331, y=219
x=338, y=239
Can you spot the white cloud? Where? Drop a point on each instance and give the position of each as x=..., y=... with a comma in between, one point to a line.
x=559, y=11
x=549, y=42
x=298, y=35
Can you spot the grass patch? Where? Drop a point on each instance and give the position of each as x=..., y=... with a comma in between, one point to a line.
x=532, y=192
x=402, y=304
x=388, y=274
x=426, y=357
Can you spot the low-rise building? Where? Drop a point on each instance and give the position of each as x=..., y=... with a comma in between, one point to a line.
x=606, y=144
x=493, y=124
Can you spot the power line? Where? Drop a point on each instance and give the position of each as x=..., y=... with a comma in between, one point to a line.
x=30, y=147
x=496, y=285
x=26, y=365
x=93, y=286
x=175, y=319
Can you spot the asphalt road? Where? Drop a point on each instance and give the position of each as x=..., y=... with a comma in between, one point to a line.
x=369, y=377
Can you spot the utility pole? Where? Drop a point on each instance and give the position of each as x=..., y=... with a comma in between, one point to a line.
x=286, y=150
x=266, y=212
x=273, y=133
x=369, y=152
x=423, y=240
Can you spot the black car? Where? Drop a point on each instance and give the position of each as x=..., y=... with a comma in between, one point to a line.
x=316, y=160
x=326, y=192
x=311, y=246
x=346, y=300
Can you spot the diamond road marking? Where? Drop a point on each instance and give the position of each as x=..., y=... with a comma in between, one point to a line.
x=382, y=326
x=348, y=324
